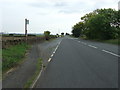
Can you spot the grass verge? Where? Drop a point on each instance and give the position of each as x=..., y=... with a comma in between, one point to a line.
x=31, y=80
x=13, y=55
x=111, y=41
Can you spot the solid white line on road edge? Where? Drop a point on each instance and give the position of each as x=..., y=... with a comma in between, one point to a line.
x=111, y=53
x=33, y=85
x=92, y=46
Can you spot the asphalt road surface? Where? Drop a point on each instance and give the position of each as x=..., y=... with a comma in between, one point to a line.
x=81, y=64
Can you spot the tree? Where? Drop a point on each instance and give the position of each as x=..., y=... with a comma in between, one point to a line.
x=67, y=34
x=62, y=33
x=47, y=34
x=77, y=29
x=99, y=24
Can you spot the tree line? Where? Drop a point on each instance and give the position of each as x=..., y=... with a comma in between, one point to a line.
x=102, y=24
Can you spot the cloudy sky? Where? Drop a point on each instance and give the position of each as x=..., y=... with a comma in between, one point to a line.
x=54, y=15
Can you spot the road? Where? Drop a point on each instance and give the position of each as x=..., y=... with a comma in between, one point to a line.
x=78, y=63
x=19, y=75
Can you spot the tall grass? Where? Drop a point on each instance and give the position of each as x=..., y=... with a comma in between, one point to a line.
x=13, y=55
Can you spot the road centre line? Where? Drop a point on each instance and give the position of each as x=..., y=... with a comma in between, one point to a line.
x=84, y=43
x=54, y=52
x=52, y=55
x=111, y=53
x=49, y=59
x=33, y=85
x=102, y=50
x=92, y=46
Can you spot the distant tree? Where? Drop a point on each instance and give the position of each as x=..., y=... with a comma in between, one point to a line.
x=62, y=33
x=77, y=29
x=47, y=34
x=67, y=34
x=57, y=35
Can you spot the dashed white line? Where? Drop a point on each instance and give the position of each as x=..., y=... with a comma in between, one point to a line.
x=110, y=53
x=92, y=46
x=49, y=59
x=54, y=52
x=102, y=50
x=33, y=85
x=75, y=38
x=84, y=43
x=52, y=55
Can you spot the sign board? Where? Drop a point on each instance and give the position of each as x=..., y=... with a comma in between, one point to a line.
x=26, y=21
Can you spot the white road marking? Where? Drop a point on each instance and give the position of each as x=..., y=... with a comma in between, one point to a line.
x=49, y=59
x=52, y=55
x=55, y=49
x=110, y=53
x=85, y=43
x=32, y=86
x=92, y=46
x=54, y=52
x=78, y=41
x=10, y=70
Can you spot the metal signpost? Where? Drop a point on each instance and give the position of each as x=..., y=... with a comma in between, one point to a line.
x=26, y=22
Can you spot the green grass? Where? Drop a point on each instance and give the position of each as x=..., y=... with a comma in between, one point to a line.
x=0, y=64
x=31, y=80
x=42, y=35
x=112, y=41
x=13, y=55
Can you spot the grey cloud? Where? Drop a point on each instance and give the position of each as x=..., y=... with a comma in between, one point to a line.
x=68, y=7
x=60, y=4
x=40, y=4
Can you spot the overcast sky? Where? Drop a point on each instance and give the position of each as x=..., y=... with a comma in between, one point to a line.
x=54, y=15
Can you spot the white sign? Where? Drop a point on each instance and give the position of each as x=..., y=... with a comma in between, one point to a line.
x=26, y=21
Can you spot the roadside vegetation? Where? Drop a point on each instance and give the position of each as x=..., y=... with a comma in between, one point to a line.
x=0, y=70
x=32, y=79
x=101, y=25
x=13, y=55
